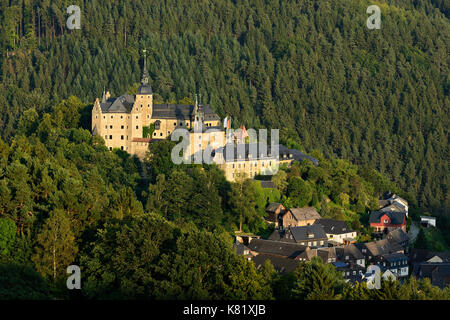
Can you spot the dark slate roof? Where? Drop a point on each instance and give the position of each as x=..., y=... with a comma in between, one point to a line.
x=398, y=236
x=281, y=265
x=181, y=112
x=377, y=248
x=332, y=226
x=303, y=233
x=122, y=104
x=240, y=248
x=326, y=254
x=438, y=272
x=396, y=217
x=394, y=207
x=306, y=213
x=296, y=155
x=394, y=257
x=351, y=251
x=144, y=89
x=279, y=248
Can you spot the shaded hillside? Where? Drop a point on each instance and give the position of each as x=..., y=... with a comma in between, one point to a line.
x=312, y=69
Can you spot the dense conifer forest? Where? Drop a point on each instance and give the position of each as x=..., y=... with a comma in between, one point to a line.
x=371, y=105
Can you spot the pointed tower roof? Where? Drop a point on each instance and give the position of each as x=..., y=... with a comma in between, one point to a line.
x=145, y=87
x=104, y=96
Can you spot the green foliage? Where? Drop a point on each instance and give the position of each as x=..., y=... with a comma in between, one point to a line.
x=7, y=236
x=326, y=81
x=56, y=248
x=18, y=282
x=317, y=281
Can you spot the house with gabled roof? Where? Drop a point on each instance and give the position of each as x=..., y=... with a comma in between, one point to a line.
x=310, y=236
x=337, y=231
x=373, y=249
x=350, y=254
x=275, y=248
x=392, y=202
x=398, y=236
x=387, y=221
x=397, y=263
x=297, y=217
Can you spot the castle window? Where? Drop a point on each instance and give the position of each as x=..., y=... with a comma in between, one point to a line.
x=148, y=105
x=110, y=127
x=137, y=127
x=104, y=117
x=106, y=127
x=121, y=117
x=121, y=127
x=181, y=123
x=141, y=105
x=121, y=137
x=160, y=134
x=154, y=134
x=168, y=132
x=110, y=148
x=121, y=147
x=106, y=137
x=137, y=117
x=127, y=137
x=110, y=137
x=174, y=123
x=112, y=117
x=96, y=117
x=148, y=116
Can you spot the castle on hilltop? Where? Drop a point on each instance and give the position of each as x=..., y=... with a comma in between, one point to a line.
x=122, y=121
x=131, y=122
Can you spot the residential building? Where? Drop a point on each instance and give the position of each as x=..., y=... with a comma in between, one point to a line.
x=297, y=217
x=387, y=221
x=311, y=236
x=397, y=263
x=337, y=231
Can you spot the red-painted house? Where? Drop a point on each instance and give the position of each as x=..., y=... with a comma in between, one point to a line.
x=387, y=221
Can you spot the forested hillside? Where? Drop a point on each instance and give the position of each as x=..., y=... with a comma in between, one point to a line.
x=311, y=68
x=66, y=199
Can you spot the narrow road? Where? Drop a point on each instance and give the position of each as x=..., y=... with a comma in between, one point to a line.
x=413, y=232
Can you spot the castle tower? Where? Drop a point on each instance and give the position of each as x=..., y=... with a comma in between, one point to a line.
x=144, y=97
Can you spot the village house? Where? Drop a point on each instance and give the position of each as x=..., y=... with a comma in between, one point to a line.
x=350, y=254
x=311, y=236
x=297, y=217
x=372, y=250
x=397, y=263
x=432, y=265
x=398, y=236
x=327, y=255
x=280, y=264
x=275, y=248
x=337, y=231
x=392, y=202
x=387, y=221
